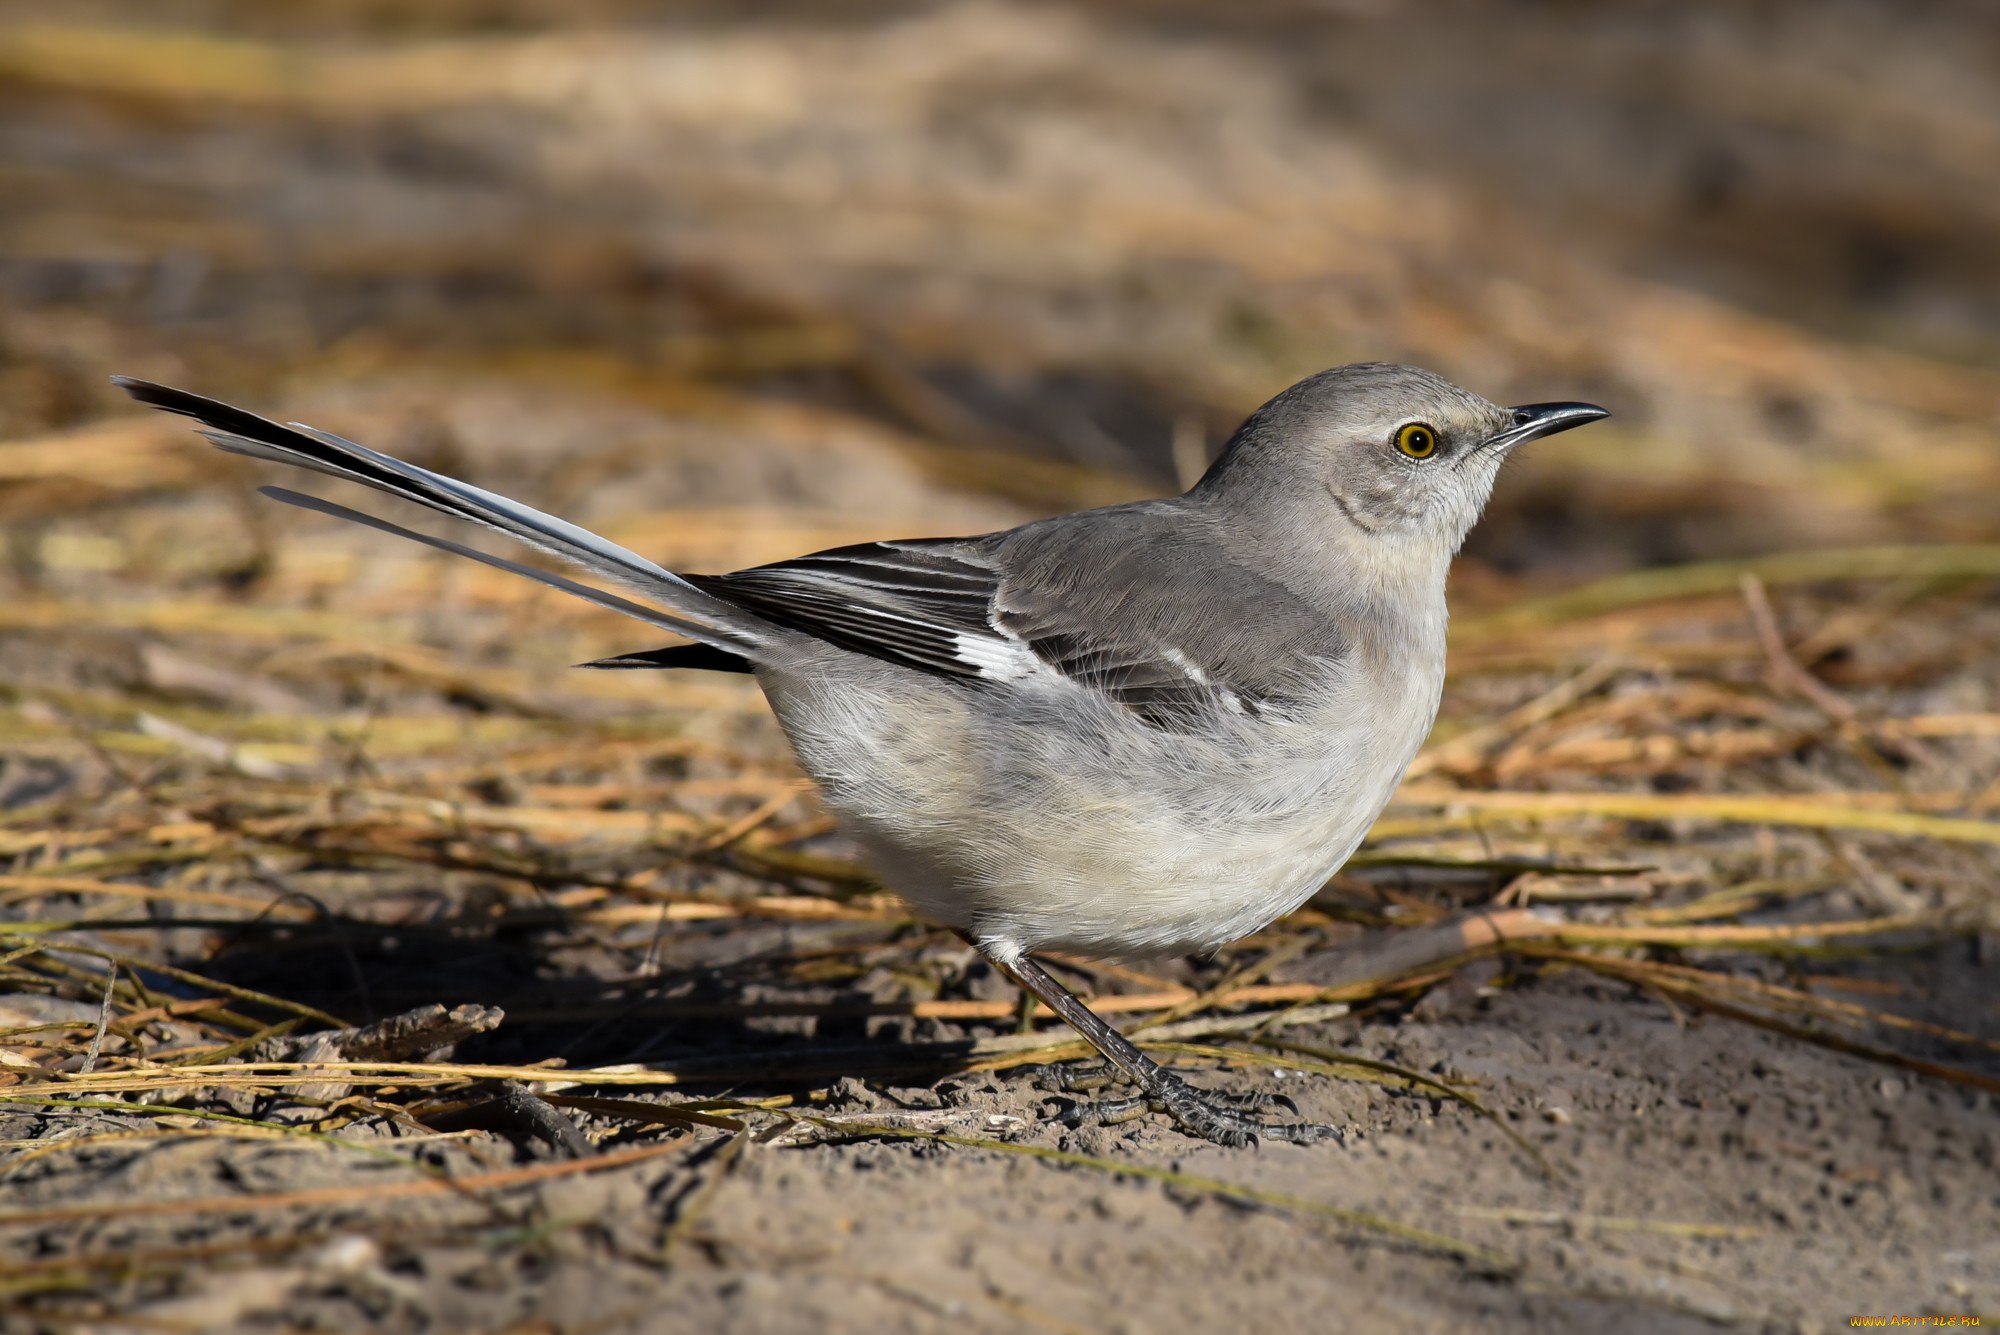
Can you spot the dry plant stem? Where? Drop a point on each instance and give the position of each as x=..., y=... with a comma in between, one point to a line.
x=1654, y=977
x=542, y=1120
x=1786, y=674
x=765, y=810
x=939, y=1121
x=1237, y=979
x=1709, y=578
x=1469, y=750
x=1784, y=670
x=1605, y=1223
x=1406, y=951
x=1861, y=812
x=103, y=1021
x=984, y=1054
x=1802, y=1002
x=413, y=1033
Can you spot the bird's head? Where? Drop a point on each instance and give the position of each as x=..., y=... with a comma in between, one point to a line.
x=1391, y=452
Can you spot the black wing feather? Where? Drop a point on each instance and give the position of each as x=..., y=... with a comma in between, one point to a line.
x=1109, y=607
x=907, y=602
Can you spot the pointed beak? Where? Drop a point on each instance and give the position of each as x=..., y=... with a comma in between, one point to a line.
x=1535, y=420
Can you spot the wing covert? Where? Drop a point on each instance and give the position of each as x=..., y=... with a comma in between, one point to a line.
x=1128, y=605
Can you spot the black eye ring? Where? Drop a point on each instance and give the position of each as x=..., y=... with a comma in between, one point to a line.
x=1417, y=440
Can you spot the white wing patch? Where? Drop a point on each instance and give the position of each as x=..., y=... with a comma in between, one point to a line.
x=1187, y=665
x=1223, y=695
x=994, y=658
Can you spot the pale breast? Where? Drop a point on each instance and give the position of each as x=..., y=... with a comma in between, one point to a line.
x=1042, y=825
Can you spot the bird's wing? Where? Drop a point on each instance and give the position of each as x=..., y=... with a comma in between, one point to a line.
x=1146, y=605
x=1151, y=618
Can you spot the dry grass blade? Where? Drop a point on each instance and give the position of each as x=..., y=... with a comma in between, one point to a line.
x=283, y=1074
x=227, y=1126
x=981, y=1054
x=1812, y=1004
x=1680, y=988
x=705, y=1113
x=1232, y=984
x=1598, y=1223
x=1711, y=578
x=1830, y=812
x=1467, y=749
x=1777, y=937
x=35, y=885
x=96, y=1047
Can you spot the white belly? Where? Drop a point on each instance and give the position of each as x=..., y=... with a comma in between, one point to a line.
x=1127, y=841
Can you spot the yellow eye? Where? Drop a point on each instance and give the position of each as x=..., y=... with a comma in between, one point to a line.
x=1417, y=440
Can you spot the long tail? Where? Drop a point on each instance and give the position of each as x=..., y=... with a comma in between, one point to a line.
x=688, y=611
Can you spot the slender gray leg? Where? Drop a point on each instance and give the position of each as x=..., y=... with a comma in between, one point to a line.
x=1211, y=1117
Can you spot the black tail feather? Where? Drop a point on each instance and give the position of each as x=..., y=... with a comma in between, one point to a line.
x=685, y=609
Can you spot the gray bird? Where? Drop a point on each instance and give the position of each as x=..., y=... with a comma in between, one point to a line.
x=1149, y=728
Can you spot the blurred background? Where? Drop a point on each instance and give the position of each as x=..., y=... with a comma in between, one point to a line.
x=952, y=265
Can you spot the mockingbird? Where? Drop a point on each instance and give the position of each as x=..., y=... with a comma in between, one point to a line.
x=1150, y=728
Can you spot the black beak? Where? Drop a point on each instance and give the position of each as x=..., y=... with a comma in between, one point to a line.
x=1535, y=420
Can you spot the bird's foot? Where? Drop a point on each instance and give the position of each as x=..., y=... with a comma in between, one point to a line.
x=1232, y=1119
x=1225, y=1119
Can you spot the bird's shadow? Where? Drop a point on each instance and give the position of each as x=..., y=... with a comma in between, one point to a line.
x=720, y=1004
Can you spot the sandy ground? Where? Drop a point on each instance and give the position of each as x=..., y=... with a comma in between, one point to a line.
x=1697, y=1175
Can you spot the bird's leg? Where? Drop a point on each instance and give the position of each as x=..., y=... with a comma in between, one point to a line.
x=1225, y=1121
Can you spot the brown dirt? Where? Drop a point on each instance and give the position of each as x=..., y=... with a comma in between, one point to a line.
x=1704, y=1173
